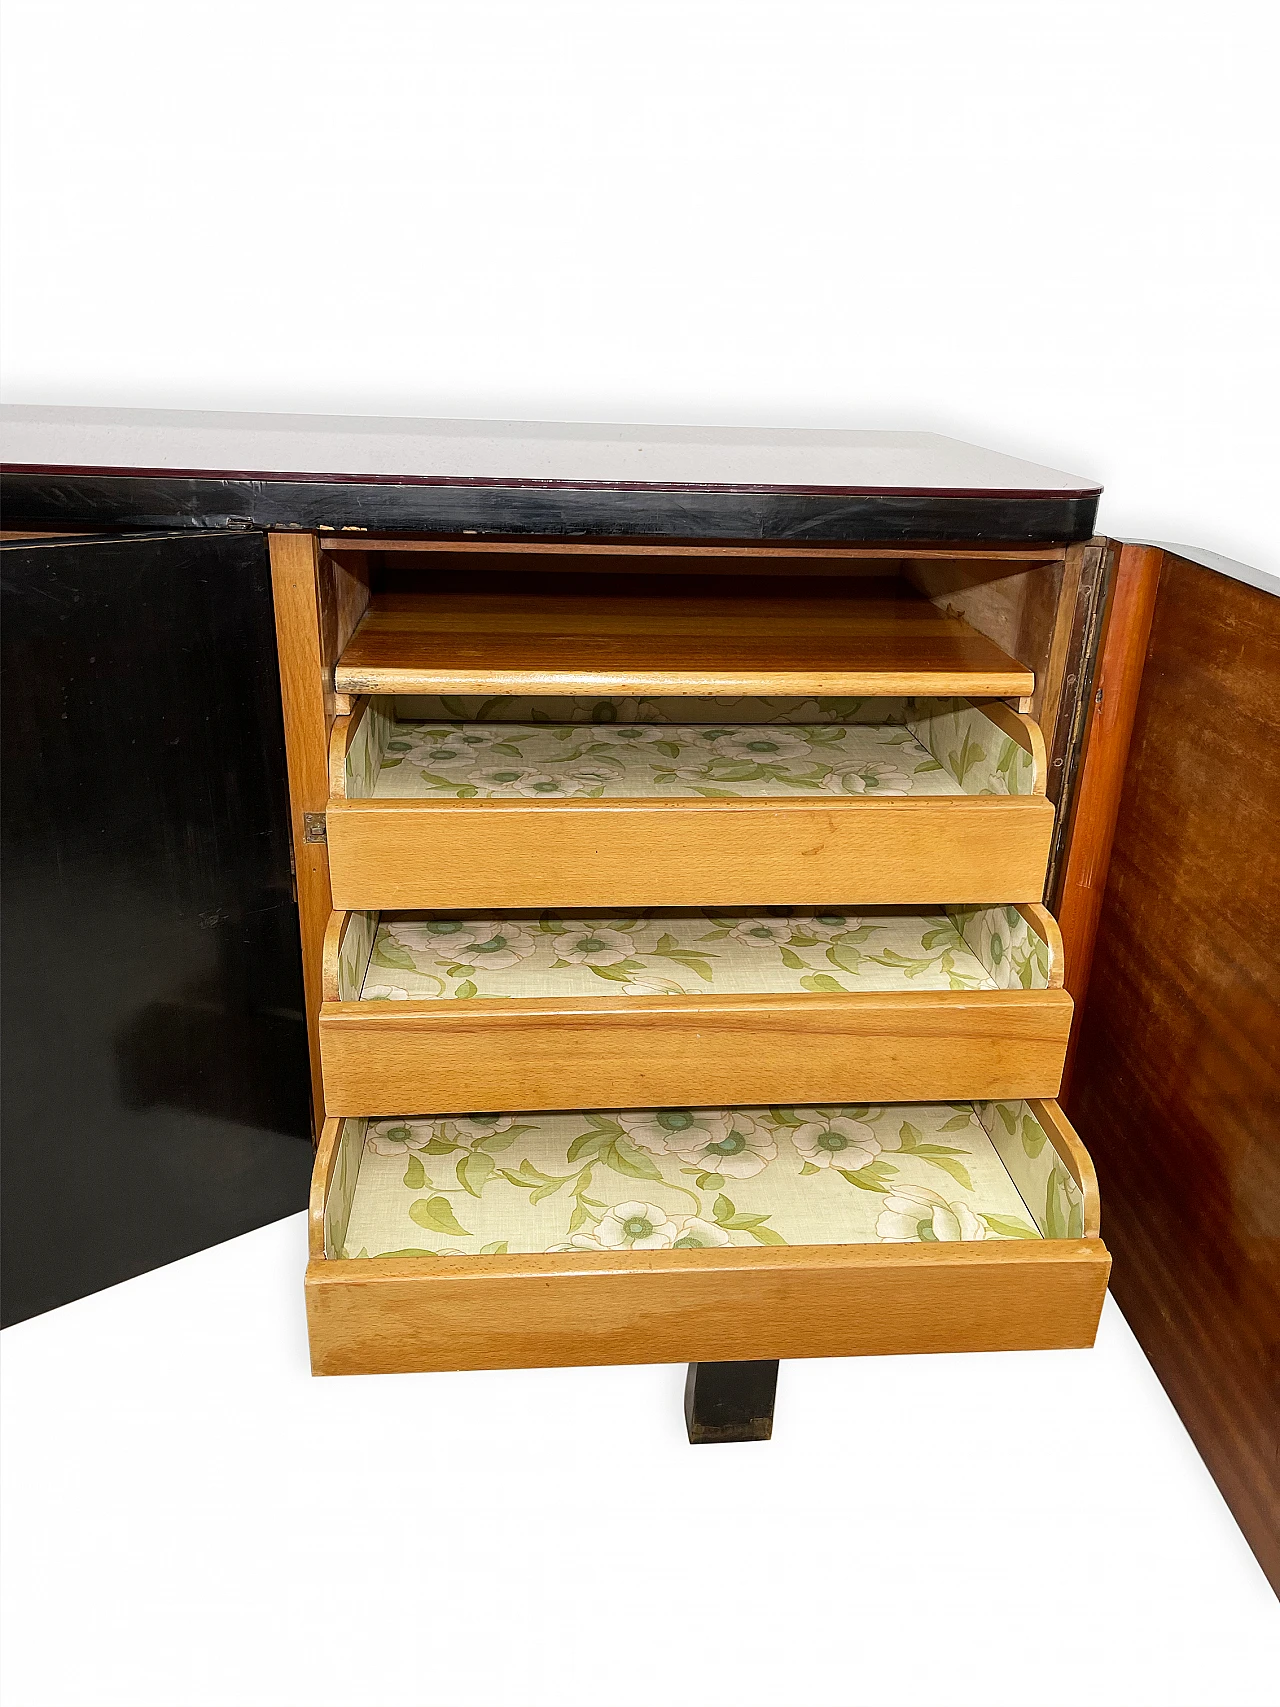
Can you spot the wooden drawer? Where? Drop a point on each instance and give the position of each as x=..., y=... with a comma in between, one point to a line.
x=911, y=1257
x=748, y=1014
x=940, y=797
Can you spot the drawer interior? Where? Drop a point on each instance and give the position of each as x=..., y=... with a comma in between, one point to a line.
x=690, y=1179
x=471, y=747
x=433, y=956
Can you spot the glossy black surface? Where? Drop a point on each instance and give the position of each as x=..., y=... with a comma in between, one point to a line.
x=155, y=1090
x=44, y=500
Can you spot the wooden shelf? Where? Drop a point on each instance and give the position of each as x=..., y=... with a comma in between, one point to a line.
x=790, y=641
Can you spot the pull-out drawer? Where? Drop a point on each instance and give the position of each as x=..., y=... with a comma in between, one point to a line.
x=442, y=1011
x=896, y=801
x=700, y=1234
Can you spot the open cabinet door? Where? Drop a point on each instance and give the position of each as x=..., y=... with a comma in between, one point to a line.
x=154, y=1046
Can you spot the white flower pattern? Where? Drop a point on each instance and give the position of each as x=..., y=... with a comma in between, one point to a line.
x=594, y=945
x=834, y=1141
x=674, y=1130
x=657, y=1179
x=847, y=747
x=636, y=1226
x=688, y=951
x=913, y=1212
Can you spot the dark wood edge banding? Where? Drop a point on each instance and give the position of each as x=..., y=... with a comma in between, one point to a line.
x=112, y=471
x=67, y=499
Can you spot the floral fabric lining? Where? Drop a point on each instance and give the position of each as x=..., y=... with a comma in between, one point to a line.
x=1035, y=1167
x=662, y=1179
x=632, y=761
x=685, y=951
x=517, y=749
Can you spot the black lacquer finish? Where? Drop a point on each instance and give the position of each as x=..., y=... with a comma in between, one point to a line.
x=68, y=499
x=725, y=1402
x=154, y=1045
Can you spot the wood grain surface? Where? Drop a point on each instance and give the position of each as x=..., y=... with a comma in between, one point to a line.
x=1177, y=1082
x=303, y=687
x=685, y=853
x=1096, y=802
x=672, y=638
x=388, y=1058
x=384, y=1316
x=744, y=555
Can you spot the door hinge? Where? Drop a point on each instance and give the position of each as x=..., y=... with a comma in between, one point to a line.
x=314, y=827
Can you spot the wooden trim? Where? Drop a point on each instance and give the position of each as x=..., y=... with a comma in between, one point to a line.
x=388, y=1058
x=1116, y=686
x=644, y=548
x=1022, y=729
x=998, y=680
x=973, y=849
x=392, y=1316
x=346, y=726
x=294, y=568
x=335, y=931
x=1075, y=1158
x=1045, y=926
x=321, y=1181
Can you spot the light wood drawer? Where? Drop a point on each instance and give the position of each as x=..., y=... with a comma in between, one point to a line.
x=774, y=1042
x=490, y=853
x=446, y=1309
x=800, y=844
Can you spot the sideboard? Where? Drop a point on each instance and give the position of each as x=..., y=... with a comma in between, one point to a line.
x=729, y=809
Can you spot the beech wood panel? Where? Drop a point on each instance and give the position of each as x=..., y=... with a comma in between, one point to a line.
x=387, y=1058
x=391, y=1316
x=684, y=642
x=600, y=853
x=303, y=689
x=321, y=1180
x=1177, y=1080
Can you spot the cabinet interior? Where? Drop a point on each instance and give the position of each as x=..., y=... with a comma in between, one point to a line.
x=1018, y=599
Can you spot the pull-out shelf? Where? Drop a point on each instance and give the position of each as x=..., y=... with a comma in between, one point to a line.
x=700, y=1234
x=528, y=802
x=638, y=636
x=540, y=1011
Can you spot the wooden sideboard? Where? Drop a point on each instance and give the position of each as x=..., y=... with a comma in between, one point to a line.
x=200, y=611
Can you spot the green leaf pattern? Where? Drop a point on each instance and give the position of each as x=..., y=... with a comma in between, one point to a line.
x=701, y=951
x=1035, y=1168
x=1015, y=956
x=664, y=1179
x=722, y=749
x=367, y=756
x=342, y=1185
x=354, y=952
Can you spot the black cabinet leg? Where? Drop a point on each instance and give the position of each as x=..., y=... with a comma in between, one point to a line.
x=729, y=1401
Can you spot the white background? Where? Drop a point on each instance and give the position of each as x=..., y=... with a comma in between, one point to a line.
x=193, y=1521
x=1046, y=228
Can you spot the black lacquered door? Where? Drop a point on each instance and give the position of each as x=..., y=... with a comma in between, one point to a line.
x=155, y=1083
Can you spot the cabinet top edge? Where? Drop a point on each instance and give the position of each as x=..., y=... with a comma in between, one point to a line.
x=160, y=443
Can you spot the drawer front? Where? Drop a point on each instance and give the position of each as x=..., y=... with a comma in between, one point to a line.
x=857, y=1289
x=516, y=853
x=393, y=1316
x=381, y=1058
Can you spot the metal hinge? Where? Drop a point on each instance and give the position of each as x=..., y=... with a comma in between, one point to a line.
x=314, y=828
